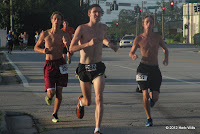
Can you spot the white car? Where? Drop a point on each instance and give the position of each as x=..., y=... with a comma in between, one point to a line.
x=127, y=41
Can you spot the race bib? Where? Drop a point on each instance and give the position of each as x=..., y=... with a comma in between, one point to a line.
x=63, y=69
x=91, y=67
x=141, y=77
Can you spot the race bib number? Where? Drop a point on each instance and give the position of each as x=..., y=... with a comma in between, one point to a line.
x=91, y=67
x=63, y=69
x=141, y=77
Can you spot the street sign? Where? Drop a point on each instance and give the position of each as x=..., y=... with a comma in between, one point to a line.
x=152, y=7
x=109, y=22
x=192, y=1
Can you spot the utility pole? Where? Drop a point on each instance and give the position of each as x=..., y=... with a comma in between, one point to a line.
x=188, y=38
x=11, y=15
x=163, y=34
x=155, y=18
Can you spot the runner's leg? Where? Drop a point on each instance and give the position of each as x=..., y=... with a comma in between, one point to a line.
x=58, y=99
x=86, y=91
x=154, y=95
x=146, y=103
x=99, y=84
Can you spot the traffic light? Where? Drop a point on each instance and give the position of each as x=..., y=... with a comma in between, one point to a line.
x=198, y=8
x=140, y=11
x=186, y=26
x=172, y=5
x=111, y=7
x=117, y=24
x=116, y=6
x=195, y=8
x=163, y=9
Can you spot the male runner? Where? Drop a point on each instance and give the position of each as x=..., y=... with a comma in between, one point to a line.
x=89, y=39
x=10, y=39
x=148, y=72
x=25, y=40
x=70, y=31
x=55, y=68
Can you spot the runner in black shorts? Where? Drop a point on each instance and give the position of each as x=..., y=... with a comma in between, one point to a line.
x=148, y=73
x=88, y=72
x=154, y=77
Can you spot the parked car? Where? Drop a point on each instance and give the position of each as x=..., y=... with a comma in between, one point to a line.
x=127, y=41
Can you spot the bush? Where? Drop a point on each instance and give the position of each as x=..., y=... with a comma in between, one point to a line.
x=175, y=38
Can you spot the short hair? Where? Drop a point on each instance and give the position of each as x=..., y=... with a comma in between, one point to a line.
x=64, y=20
x=94, y=5
x=147, y=16
x=56, y=12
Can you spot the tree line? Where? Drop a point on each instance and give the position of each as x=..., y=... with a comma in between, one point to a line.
x=34, y=15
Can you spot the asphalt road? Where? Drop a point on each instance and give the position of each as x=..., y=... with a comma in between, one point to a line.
x=177, y=110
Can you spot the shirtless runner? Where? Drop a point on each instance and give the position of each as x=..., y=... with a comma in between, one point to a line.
x=89, y=39
x=25, y=40
x=148, y=72
x=55, y=68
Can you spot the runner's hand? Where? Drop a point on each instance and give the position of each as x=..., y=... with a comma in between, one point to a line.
x=94, y=41
x=134, y=57
x=165, y=62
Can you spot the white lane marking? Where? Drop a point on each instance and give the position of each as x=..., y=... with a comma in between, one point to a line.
x=24, y=80
x=179, y=80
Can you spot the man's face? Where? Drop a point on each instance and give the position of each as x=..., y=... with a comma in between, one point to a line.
x=65, y=24
x=56, y=20
x=148, y=23
x=95, y=14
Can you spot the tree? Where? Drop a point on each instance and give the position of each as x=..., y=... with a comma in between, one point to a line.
x=126, y=23
x=34, y=15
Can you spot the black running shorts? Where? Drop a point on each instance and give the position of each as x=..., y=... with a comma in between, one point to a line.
x=88, y=72
x=153, y=75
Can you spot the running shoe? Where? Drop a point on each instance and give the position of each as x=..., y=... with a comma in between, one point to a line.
x=151, y=102
x=149, y=122
x=97, y=132
x=48, y=100
x=79, y=108
x=55, y=118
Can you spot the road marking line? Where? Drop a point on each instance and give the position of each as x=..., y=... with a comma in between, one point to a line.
x=192, y=83
x=24, y=80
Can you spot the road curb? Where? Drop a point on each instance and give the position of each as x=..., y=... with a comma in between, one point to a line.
x=3, y=127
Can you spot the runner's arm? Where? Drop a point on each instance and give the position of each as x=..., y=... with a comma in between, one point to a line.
x=132, y=54
x=66, y=41
x=74, y=46
x=107, y=43
x=165, y=51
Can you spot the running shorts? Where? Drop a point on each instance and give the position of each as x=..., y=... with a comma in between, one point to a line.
x=88, y=72
x=55, y=73
x=25, y=41
x=149, y=77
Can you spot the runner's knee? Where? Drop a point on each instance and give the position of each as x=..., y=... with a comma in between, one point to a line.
x=99, y=99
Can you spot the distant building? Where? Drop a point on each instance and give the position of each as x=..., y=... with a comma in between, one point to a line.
x=191, y=20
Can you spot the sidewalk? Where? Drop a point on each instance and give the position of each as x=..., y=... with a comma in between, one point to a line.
x=17, y=123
